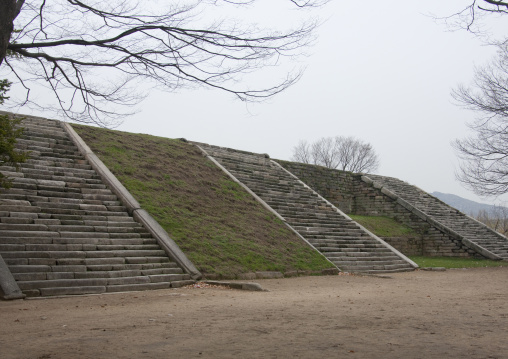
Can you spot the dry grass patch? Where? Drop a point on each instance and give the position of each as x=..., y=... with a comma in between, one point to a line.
x=217, y=224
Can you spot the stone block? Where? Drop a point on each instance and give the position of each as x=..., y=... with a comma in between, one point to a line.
x=137, y=287
x=59, y=275
x=72, y=290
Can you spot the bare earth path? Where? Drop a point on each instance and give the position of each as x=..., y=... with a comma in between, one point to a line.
x=452, y=314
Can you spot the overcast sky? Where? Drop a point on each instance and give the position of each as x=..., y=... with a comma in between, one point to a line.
x=381, y=71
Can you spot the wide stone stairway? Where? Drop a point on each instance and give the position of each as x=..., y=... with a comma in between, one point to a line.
x=63, y=232
x=447, y=216
x=340, y=239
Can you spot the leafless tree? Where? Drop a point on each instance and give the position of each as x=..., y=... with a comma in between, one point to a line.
x=484, y=164
x=356, y=156
x=345, y=153
x=91, y=54
x=302, y=152
x=497, y=218
x=484, y=155
x=468, y=18
x=325, y=152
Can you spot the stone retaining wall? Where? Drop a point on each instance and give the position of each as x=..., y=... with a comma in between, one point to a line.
x=347, y=191
x=336, y=186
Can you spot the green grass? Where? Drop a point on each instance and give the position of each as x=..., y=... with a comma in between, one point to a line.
x=384, y=226
x=216, y=223
x=456, y=262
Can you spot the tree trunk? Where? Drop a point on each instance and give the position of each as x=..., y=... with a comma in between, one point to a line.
x=7, y=16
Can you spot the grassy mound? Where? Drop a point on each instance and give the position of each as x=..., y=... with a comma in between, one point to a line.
x=216, y=223
x=384, y=226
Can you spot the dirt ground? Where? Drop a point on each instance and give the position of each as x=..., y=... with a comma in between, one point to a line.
x=452, y=314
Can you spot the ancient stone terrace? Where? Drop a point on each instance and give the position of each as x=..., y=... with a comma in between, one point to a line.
x=472, y=233
x=62, y=231
x=350, y=247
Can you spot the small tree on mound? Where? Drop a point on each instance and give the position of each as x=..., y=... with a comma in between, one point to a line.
x=9, y=133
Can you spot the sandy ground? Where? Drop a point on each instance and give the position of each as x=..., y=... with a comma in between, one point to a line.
x=452, y=314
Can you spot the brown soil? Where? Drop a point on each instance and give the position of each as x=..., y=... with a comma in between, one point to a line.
x=452, y=314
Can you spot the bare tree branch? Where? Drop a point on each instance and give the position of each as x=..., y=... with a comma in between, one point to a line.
x=469, y=18
x=102, y=50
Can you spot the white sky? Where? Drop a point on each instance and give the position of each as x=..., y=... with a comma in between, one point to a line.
x=381, y=71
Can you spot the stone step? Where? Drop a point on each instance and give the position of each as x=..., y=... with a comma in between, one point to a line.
x=374, y=269
x=55, y=211
x=41, y=132
x=351, y=262
x=83, y=282
x=336, y=247
x=101, y=285
x=51, y=273
x=112, y=270
x=71, y=253
x=32, y=183
x=83, y=229
x=98, y=263
x=322, y=223
x=352, y=240
x=101, y=239
x=50, y=166
x=61, y=173
x=52, y=247
x=47, y=148
x=25, y=195
x=360, y=254
x=332, y=234
x=59, y=291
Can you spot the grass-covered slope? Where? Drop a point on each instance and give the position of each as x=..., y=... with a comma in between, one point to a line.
x=456, y=262
x=384, y=226
x=217, y=224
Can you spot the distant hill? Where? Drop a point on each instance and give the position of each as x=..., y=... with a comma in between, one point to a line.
x=464, y=205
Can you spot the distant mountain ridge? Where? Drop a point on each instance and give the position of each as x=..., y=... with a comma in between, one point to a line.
x=464, y=205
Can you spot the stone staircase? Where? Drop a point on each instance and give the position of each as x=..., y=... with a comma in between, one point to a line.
x=447, y=217
x=341, y=240
x=62, y=232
